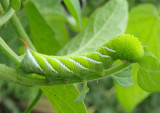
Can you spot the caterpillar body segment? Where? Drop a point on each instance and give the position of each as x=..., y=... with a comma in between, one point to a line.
x=66, y=67
x=127, y=47
x=124, y=47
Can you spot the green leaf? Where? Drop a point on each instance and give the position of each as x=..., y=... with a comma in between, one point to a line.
x=74, y=8
x=82, y=94
x=74, y=26
x=149, y=72
x=15, y=4
x=42, y=35
x=144, y=23
x=104, y=24
x=159, y=9
x=62, y=99
x=55, y=16
x=124, y=77
x=130, y=96
x=145, y=19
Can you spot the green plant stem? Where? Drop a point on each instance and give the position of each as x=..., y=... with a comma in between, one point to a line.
x=18, y=26
x=6, y=16
x=34, y=102
x=6, y=49
x=116, y=68
x=6, y=72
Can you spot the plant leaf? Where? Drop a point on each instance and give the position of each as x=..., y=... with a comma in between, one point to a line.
x=82, y=94
x=144, y=23
x=148, y=33
x=55, y=16
x=124, y=77
x=104, y=24
x=130, y=96
x=15, y=4
x=149, y=72
x=42, y=35
x=62, y=99
x=74, y=8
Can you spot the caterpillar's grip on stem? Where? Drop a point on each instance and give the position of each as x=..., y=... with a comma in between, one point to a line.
x=124, y=47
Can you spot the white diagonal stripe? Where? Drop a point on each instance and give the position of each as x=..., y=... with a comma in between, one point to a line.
x=101, y=54
x=62, y=65
x=77, y=64
x=109, y=49
x=49, y=65
x=91, y=60
x=33, y=60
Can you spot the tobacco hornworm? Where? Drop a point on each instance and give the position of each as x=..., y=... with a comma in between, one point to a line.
x=124, y=47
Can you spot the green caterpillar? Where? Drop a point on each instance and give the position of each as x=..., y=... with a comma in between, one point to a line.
x=124, y=47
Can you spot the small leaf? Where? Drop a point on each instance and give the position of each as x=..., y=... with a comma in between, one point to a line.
x=149, y=72
x=82, y=93
x=124, y=78
x=15, y=4
x=74, y=8
x=45, y=42
x=55, y=16
x=130, y=97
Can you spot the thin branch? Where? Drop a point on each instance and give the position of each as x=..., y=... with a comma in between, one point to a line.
x=6, y=16
x=8, y=51
x=6, y=72
x=34, y=102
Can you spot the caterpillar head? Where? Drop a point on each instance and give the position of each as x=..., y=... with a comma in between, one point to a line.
x=127, y=47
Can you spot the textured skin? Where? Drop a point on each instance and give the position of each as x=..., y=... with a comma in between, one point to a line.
x=127, y=47
x=124, y=47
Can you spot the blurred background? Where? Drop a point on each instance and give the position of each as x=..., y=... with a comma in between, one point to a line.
x=101, y=98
